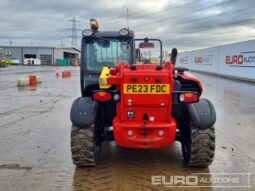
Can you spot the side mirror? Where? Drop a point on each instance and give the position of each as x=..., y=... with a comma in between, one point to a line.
x=138, y=54
x=146, y=45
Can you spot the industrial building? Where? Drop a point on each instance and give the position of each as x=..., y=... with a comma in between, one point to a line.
x=69, y=54
x=38, y=55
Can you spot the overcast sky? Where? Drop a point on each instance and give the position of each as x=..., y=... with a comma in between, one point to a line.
x=185, y=24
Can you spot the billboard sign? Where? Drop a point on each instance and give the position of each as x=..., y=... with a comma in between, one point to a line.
x=238, y=60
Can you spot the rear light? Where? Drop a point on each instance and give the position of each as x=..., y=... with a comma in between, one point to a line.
x=102, y=96
x=188, y=97
x=106, y=95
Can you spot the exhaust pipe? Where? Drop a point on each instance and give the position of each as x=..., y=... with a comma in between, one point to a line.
x=174, y=54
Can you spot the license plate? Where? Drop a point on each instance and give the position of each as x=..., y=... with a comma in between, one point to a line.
x=146, y=88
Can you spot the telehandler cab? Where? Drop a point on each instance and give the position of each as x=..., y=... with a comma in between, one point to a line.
x=138, y=105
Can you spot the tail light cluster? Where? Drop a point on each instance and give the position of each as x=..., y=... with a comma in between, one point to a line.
x=189, y=97
x=106, y=96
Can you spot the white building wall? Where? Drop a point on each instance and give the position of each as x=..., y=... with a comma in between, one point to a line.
x=184, y=60
x=59, y=52
x=205, y=60
x=234, y=60
x=238, y=60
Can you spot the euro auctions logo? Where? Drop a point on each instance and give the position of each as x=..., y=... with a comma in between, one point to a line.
x=199, y=180
x=242, y=58
x=172, y=181
x=204, y=60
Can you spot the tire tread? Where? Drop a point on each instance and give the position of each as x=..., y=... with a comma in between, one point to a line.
x=202, y=147
x=82, y=146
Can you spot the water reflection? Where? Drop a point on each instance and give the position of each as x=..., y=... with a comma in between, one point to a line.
x=27, y=88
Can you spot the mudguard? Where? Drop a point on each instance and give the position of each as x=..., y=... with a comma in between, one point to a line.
x=202, y=113
x=83, y=111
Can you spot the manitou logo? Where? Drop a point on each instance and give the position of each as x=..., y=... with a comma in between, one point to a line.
x=240, y=59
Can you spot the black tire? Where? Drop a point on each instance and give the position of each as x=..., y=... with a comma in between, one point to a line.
x=198, y=145
x=85, y=145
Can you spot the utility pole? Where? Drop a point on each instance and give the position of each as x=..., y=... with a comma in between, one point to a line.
x=74, y=29
x=10, y=42
x=127, y=19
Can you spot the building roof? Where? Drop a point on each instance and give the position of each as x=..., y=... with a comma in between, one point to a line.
x=68, y=47
x=34, y=46
x=25, y=46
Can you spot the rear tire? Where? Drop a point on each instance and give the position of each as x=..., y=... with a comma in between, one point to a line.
x=198, y=145
x=85, y=145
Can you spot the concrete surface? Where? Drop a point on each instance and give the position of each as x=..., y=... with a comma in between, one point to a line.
x=35, y=134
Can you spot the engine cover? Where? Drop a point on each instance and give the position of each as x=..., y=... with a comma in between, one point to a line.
x=144, y=112
x=145, y=92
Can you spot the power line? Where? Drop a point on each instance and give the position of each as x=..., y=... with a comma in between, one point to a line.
x=184, y=14
x=168, y=7
x=127, y=19
x=117, y=18
x=60, y=36
x=208, y=18
x=74, y=29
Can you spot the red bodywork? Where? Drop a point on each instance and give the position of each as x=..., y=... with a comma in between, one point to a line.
x=188, y=76
x=158, y=129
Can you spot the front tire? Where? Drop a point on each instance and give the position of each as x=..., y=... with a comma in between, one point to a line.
x=85, y=145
